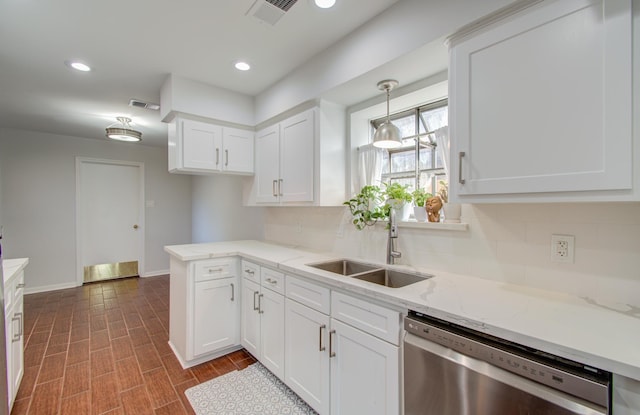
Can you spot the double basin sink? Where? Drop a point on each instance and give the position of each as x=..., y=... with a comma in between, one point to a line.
x=371, y=273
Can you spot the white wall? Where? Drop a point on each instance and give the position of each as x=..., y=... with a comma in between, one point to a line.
x=505, y=242
x=218, y=214
x=38, y=202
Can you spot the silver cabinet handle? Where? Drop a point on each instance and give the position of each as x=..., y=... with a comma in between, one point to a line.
x=320, y=345
x=212, y=270
x=17, y=317
x=255, y=296
x=217, y=156
x=275, y=194
x=280, y=187
x=260, y=310
x=21, y=285
x=249, y=271
x=226, y=158
x=233, y=292
x=270, y=281
x=460, y=156
x=331, y=352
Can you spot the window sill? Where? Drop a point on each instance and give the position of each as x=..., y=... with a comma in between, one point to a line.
x=434, y=225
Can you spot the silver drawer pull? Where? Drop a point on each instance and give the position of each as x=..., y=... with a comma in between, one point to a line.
x=233, y=292
x=460, y=156
x=272, y=282
x=249, y=271
x=21, y=285
x=211, y=270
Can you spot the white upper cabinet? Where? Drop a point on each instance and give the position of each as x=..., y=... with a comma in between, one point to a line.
x=541, y=104
x=200, y=147
x=301, y=161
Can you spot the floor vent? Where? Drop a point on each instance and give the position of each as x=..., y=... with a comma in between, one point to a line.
x=146, y=105
x=270, y=11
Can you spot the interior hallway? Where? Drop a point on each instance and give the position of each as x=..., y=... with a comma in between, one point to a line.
x=102, y=349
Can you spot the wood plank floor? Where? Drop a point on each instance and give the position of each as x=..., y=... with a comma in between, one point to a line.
x=102, y=349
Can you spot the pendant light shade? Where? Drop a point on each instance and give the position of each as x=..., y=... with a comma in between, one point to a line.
x=123, y=132
x=387, y=135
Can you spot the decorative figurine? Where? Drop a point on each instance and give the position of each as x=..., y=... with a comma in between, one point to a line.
x=434, y=204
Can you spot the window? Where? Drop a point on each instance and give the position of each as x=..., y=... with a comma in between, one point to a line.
x=416, y=163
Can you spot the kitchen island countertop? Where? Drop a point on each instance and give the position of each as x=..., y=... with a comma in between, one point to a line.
x=588, y=330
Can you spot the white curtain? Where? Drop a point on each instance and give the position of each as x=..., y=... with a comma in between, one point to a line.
x=369, y=166
x=442, y=142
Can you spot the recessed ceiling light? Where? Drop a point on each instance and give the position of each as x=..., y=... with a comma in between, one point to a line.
x=79, y=66
x=325, y=4
x=242, y=66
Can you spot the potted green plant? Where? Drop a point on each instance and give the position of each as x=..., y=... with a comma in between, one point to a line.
x=367, y=207
x=452, y=211
x=399, y=197
x=420, y=196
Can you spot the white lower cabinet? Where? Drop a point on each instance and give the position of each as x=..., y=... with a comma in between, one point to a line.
x=14, y=333
x=347, y=362
x=214, y=327
x=204, y=309
x=306, y=354
x=263, y=316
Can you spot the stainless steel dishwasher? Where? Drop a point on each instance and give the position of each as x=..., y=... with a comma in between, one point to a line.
x=452, y=370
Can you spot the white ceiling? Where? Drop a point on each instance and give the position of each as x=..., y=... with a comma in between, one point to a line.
x=134, y=45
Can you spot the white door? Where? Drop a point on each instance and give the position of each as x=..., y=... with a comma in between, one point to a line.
x=296, y=158
x=267, y=164
x=250, y=326
x=215, y=325
x=109, y=213
x=237, y=156
x=272, y=332
x=365, y=373
x=307, y=354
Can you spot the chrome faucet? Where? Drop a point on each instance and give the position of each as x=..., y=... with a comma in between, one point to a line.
x=392, y=254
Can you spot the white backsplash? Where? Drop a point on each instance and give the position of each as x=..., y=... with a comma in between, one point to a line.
x=504, y=242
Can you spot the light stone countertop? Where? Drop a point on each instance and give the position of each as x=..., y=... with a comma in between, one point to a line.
x=11, y=267
x=606, y=336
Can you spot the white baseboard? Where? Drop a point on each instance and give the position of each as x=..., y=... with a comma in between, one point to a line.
x=155, y=273
x=45, y=288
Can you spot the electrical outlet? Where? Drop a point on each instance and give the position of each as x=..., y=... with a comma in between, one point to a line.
x=562, y=247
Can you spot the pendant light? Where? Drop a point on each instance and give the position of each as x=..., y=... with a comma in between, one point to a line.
x=387, y=135
x=123, y=132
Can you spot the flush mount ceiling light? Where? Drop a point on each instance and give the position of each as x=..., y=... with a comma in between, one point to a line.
x=78, y=66
x=387, y=135
x=123, y=132
x=325, y=4
x=242, y=66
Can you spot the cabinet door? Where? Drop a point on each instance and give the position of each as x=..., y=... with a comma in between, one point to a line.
x=272, y=332
x=365, y=373
x=267, y=164
x=17, y=349
x=201, y=146
x=296, y=158
x=250, y=326
x=237, y=154
x=306, y=364
x=215, y=311
x=542, y=101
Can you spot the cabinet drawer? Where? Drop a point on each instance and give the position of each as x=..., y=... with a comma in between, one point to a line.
x=272, y=280
x=251, y=271
x=309, y=294
x=371, y=318
x=213, y=269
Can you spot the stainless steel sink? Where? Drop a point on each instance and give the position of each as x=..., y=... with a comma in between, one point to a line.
x=392, y=278
x=344, y=267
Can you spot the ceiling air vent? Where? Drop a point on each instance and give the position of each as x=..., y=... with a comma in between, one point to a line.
x=141, y=104
x=270, y=11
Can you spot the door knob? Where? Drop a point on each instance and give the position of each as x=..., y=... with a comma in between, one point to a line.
x=135, y=226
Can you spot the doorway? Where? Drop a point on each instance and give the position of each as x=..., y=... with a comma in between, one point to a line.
x=109, y=219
